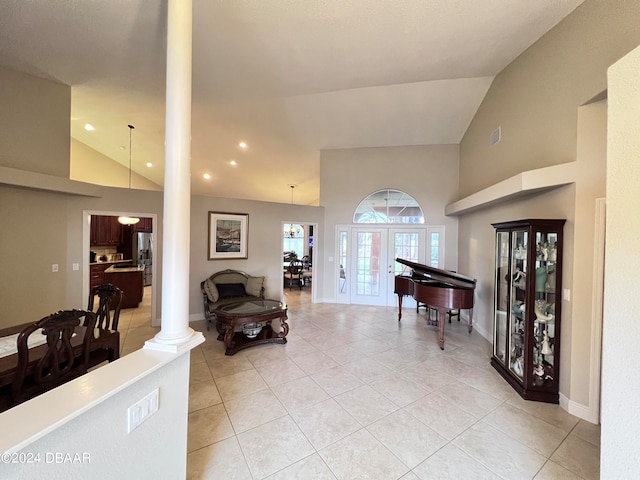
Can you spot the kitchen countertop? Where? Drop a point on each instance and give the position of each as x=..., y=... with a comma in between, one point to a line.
x=110, y=261
x=134, y=268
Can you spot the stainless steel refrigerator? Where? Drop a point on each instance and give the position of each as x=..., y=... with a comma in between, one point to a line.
x=142, y=249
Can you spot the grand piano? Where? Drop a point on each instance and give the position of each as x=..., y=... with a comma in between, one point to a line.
x=439, y=289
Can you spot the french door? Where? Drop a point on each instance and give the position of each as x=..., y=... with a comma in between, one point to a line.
x=369, y=253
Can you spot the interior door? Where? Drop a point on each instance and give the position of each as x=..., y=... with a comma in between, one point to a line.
x=373, y=254
x=368, y=279
x=408, y=244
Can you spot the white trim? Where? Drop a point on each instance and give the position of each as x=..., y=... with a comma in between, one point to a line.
x=575, y=408
x=596, y=313
x=192, y=340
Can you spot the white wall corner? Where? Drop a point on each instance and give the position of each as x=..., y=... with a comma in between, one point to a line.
x=577, y=409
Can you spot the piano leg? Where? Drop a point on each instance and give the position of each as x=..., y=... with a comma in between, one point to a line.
x=470, y=319
x=442, y=314
x=400, y=306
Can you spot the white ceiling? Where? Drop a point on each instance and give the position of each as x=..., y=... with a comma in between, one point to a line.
x=289, y=77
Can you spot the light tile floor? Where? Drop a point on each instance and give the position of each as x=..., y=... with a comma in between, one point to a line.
x=354, y=394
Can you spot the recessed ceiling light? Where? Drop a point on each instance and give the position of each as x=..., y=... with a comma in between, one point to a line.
x=206, y=176
x=149, y=164
x=242, y=145
x=233, y=163
x=88, y=127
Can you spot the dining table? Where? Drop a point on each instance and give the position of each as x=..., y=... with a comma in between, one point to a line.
x=105, y=345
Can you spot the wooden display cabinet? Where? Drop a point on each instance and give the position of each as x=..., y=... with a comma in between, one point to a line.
x=527, y=306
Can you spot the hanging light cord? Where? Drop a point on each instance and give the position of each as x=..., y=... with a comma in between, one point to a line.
x=131, y=127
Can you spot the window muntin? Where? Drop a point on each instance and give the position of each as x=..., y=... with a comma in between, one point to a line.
x=389, y=206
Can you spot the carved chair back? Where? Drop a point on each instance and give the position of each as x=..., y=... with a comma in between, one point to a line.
x=60, y=361
x=109, y=299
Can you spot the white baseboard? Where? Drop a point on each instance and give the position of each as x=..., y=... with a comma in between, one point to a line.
x=579, y=410
x=483, y=333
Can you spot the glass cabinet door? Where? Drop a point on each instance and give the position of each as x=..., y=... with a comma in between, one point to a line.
x=528, y=307
x=544, y=308
x=502, y=296
x=517, y=297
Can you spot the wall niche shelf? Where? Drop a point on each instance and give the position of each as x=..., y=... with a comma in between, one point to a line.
x=519, y=185
x=49, y=183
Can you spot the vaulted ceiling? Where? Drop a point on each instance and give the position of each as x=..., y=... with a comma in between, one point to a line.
x=288, y=77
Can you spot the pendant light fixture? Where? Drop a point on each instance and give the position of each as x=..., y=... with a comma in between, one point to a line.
x=124, y=220
x=289, y=229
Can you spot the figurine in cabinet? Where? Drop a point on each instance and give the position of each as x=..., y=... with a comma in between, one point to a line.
x=527, y=324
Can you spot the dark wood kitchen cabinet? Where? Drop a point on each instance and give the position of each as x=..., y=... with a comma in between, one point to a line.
x=105, y=231
x=96, y=272
x=145, y=225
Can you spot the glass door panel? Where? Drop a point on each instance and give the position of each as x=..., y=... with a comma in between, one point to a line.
x=544, y=308
x=368, y=264
x=407, y=244
x=517, y=300
x=502, y=296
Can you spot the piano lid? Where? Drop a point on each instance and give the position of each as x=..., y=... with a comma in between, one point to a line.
x=439, y=275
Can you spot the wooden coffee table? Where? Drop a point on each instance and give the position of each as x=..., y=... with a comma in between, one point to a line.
x=247, y=323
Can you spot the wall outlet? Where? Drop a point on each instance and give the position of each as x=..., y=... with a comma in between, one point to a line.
x=54, y=267
x=76, y=267
x=141, y=410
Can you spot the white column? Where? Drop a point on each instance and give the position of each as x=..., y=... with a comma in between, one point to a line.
x=175, y=331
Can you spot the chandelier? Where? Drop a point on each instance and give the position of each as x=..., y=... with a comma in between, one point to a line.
x=291, y=230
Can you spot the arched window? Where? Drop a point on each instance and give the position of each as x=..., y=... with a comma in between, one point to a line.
x=388, y=206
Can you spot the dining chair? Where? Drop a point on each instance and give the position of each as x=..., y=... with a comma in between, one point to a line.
x=109, y=299
x=294, y=272
x=107, y=318
x=60, y=361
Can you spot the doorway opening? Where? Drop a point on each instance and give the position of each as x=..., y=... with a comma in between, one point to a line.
x=297, y=261
x=108, y=247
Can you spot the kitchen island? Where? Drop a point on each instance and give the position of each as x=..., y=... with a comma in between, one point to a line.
x=129, y=279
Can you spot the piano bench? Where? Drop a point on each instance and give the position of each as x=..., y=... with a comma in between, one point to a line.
x=450, y=313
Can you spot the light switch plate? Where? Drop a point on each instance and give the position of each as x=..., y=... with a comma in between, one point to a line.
x=141, y=410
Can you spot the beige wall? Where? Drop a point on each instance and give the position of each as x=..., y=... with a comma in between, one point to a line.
x=621, y=332
x=33, y=238
x=427, y=173
x=89, y=165
x=264, y=248
x=536, y=100
x=32, y=135
x=49, y=229
x=591, y=154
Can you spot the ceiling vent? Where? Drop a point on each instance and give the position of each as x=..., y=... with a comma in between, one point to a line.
x=496, y=136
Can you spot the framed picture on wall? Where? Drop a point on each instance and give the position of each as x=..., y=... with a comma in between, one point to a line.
x=228, y=234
